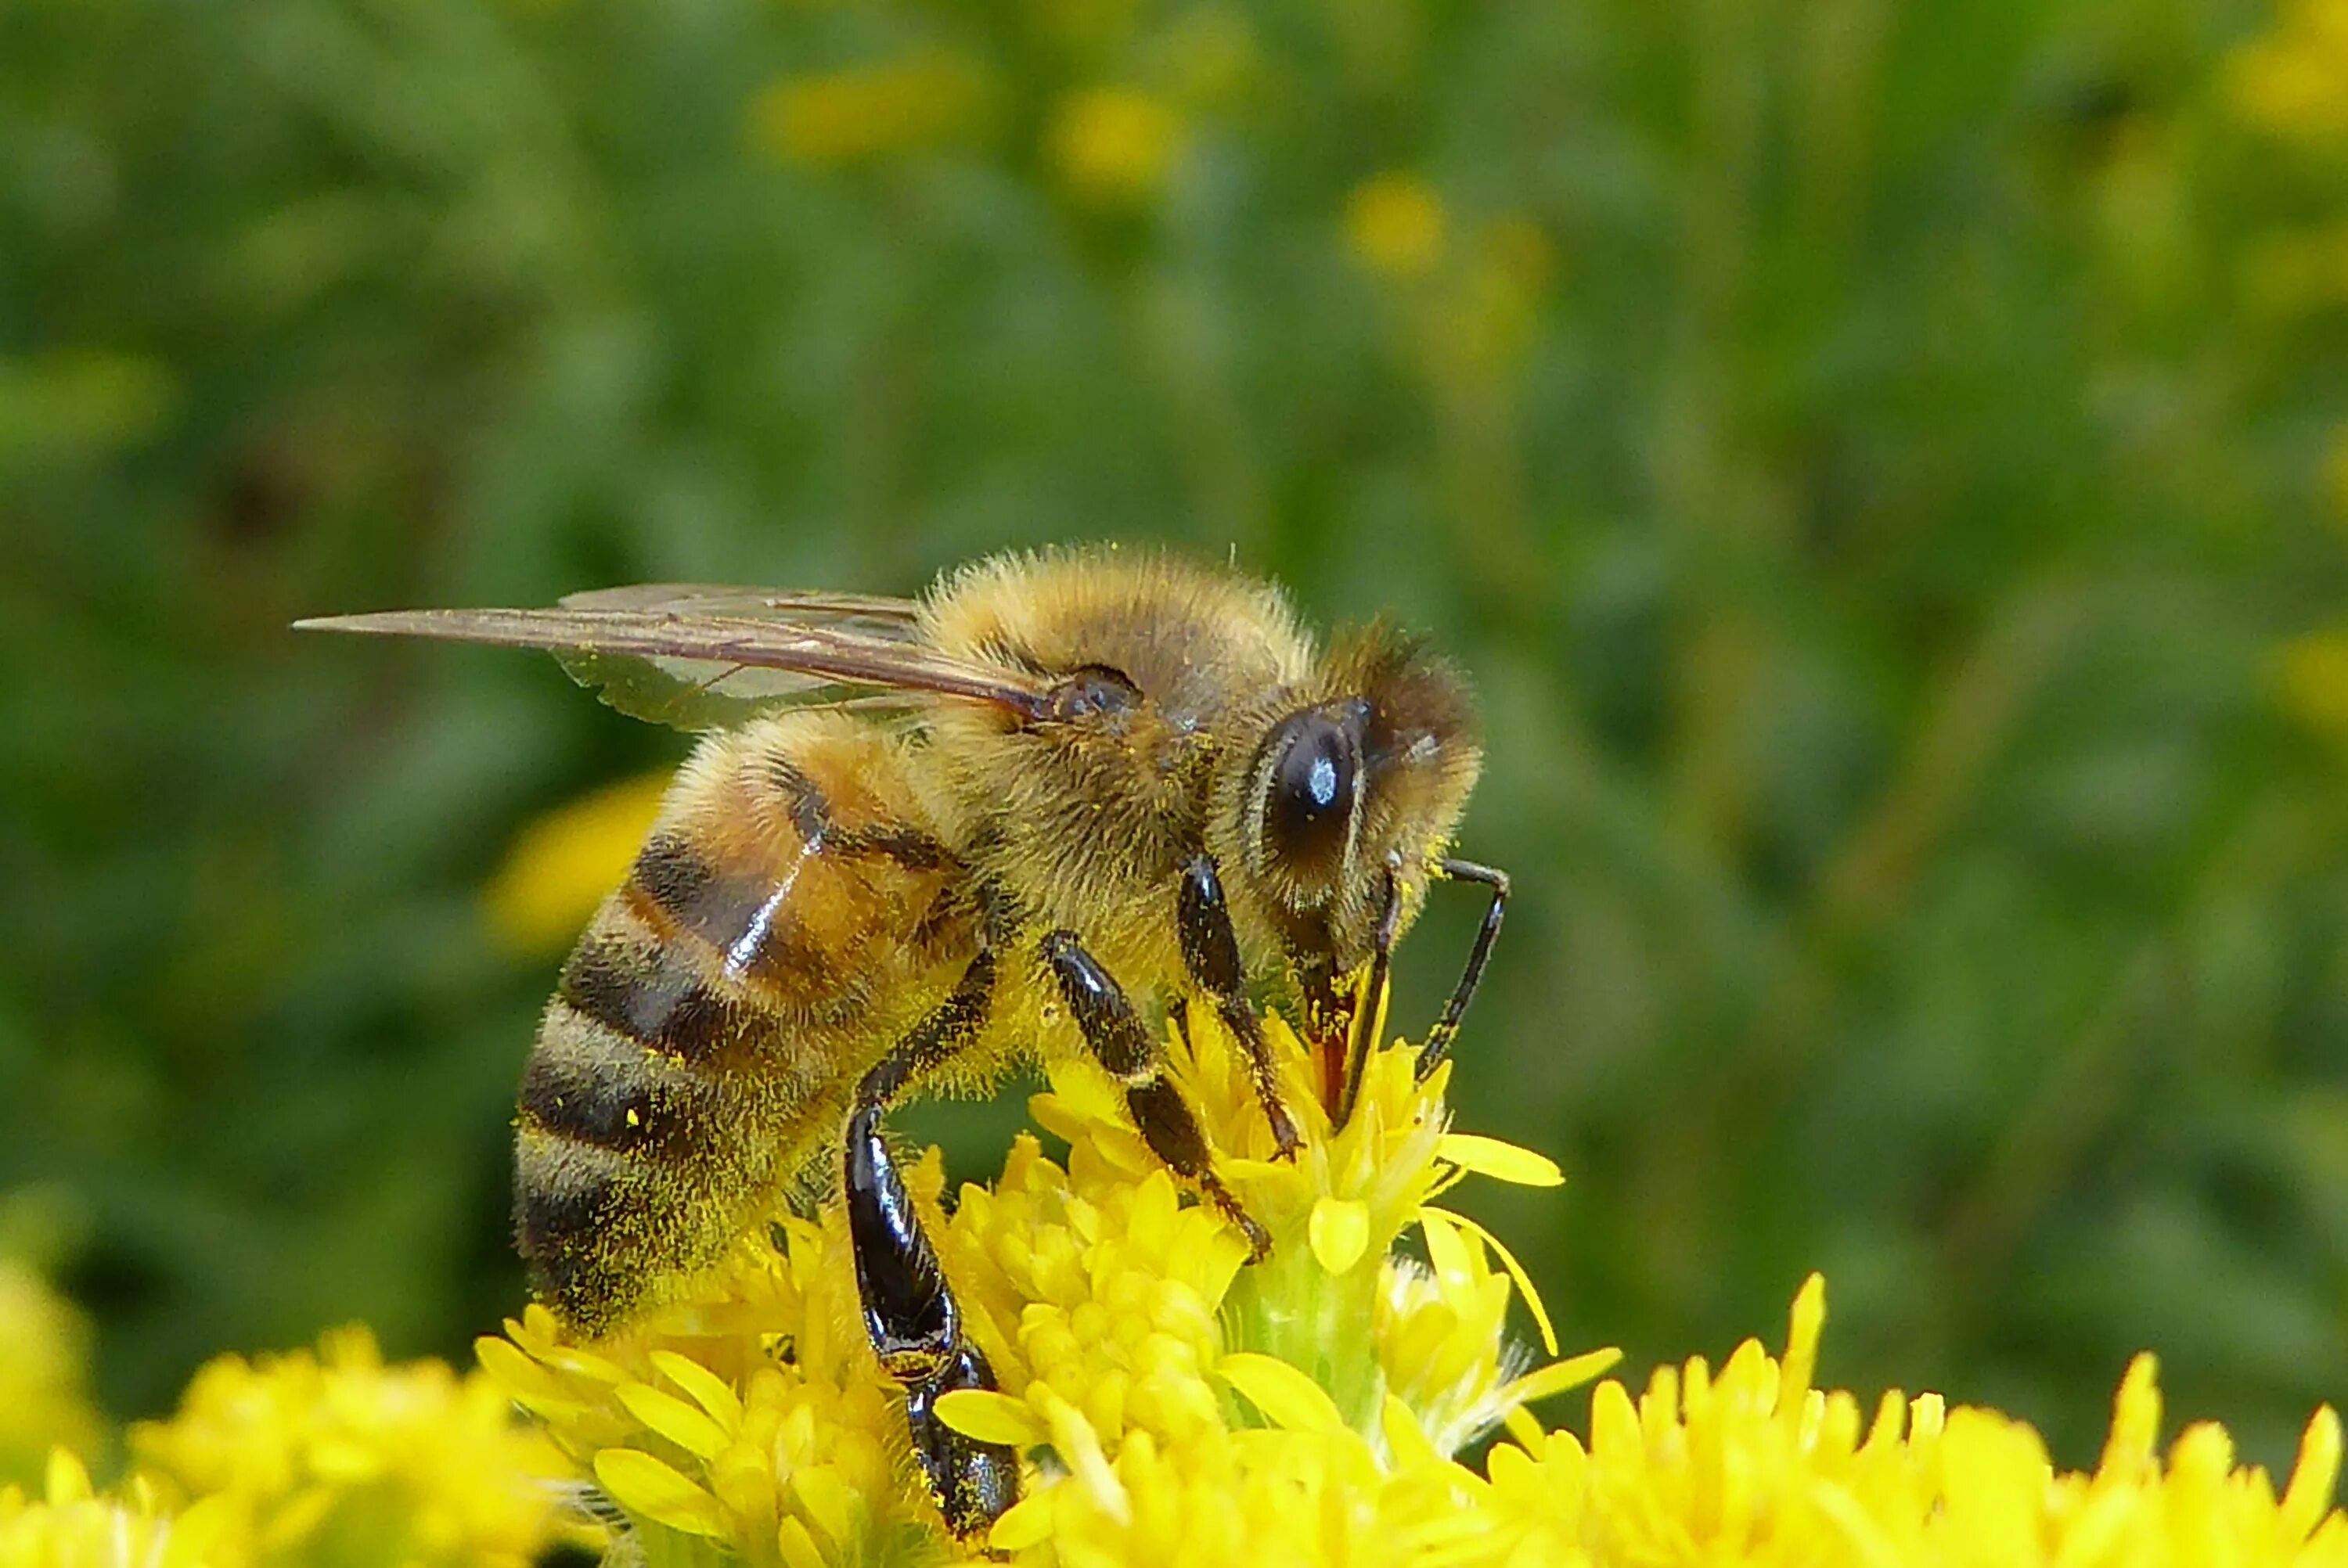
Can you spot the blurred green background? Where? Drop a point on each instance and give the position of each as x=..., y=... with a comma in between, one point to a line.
x=1881, y=463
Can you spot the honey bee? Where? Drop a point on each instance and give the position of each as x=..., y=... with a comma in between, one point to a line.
x=1062, y=799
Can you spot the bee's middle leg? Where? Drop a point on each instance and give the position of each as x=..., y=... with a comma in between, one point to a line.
x=1122, y=1044
x=1210, y=951
x=910, y=1313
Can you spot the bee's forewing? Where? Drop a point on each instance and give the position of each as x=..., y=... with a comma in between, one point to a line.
x=700, y=671
x=877, y=615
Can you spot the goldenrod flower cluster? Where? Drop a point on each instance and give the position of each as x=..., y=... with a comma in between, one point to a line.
x=1754, y=1465
x=1151, y=1376
x=1176, y=1406
x=327, y=1460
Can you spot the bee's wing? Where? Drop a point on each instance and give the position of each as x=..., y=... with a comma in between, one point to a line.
x=663, y=653
x=894, y=619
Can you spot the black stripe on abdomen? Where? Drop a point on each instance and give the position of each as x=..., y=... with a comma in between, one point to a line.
x=653, y=994
x=589, y=1085
x=568, y=1201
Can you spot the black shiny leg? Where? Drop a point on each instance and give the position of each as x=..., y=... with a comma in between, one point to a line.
x=910, y=1313
x=1361, y=1023
x=1447, y=1026
x=1210, y=951
x=1117, y=1036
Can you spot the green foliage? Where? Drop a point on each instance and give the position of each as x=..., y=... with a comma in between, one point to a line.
x=1860, y=449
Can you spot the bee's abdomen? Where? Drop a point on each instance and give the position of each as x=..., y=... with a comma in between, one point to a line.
x=765, y=947
x=619, y=1154
x=605, y=1087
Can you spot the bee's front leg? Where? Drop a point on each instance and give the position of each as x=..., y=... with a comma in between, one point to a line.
x=1122, y=1042
x=1210, y=951
x=910, y=1313
x=1447, y=1027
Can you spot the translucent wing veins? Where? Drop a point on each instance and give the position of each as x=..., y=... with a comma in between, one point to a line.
x=826, y=647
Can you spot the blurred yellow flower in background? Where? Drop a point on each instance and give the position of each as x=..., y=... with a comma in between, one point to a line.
x=2292, y=80
x=851, y=116
x=70, y=1526
x=2309, y=679
x=336, y=1458
x=326, y=1461
x=563, y=864
x=1114, y=145
x=1397, y=225
x=44, y=1349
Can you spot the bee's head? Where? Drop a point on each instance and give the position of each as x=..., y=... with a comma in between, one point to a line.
x=1361, y=777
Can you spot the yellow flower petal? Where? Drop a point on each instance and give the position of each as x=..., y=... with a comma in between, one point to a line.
x=1524, y=1428
x=827, y=1499
x=1808, y=1322
x=644, y=1485
x=1028, y=1523
x=798, y=1547
x=709, y=1391
x=68, y=1481
x=991, y=1418
x=1503, y=1162
x=1288, y=1399
x=197, y=1534
x=674, y=1419
x=1524, y=1282
x=1558, y=1377
x=2314, y=1478
x=1339, y=1231
x=515, y=1372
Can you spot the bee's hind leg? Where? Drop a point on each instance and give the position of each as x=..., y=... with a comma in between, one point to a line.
x=1123, y=1044
x=1210, y=951
x=910, y=1313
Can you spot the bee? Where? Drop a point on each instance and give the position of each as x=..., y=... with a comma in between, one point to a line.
x=1060, y=800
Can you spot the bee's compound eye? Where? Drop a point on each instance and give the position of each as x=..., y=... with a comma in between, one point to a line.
x=1313, y=776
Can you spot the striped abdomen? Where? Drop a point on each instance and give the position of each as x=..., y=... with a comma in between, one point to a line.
x=792, y=912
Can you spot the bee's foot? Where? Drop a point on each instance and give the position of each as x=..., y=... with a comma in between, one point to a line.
x=1259, y=1239
x=1285, y=1140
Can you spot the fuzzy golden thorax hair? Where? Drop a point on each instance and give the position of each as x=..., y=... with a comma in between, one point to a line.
x=1211, y=725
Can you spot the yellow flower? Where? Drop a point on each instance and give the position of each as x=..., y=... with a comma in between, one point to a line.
x=853, y=115
x=69, y=1526
x=565, y=862
x=1114, y=145
x=1754, y=1465
x=1175, y=1405
x=754, y=1418
x=44, y=1375
x=2309, y=679
x=1299, y=1408
x=2292, y=80
x=1397, y=225
x=337, y=1459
